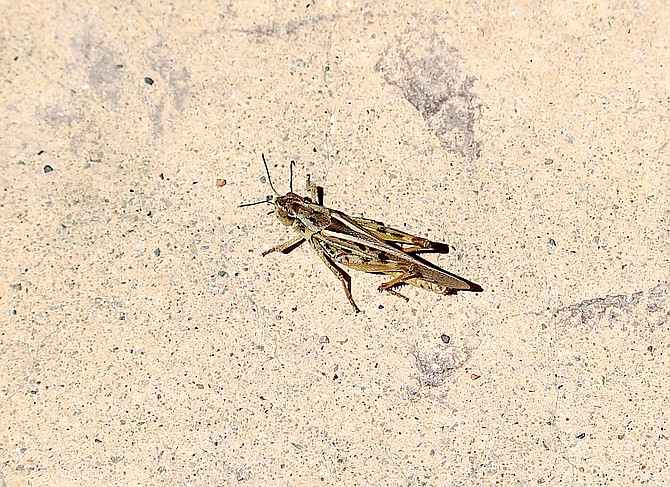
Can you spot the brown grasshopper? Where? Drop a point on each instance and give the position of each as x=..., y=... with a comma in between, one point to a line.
x=361, y=244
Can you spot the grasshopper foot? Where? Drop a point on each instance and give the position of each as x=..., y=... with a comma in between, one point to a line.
x=384, y=287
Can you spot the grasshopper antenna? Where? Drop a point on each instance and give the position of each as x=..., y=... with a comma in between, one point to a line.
x=267, y=171
x=257, y=202
x=269, y=198
x=290, y=172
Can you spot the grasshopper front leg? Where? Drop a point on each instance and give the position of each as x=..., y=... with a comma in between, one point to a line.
x=286, y=247
x=316, y=192
x=342, y=276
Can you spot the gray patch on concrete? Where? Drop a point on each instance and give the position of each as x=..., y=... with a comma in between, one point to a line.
x=427, y=72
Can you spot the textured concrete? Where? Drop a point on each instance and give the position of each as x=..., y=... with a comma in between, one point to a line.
x=145, y=341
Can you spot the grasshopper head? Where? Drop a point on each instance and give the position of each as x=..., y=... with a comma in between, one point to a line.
x=296, y=211
x=287, y=207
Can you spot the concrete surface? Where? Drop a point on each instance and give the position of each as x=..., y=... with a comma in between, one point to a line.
x=144, y=339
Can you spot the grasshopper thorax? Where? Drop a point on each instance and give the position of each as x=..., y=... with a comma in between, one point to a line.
x=301, y=212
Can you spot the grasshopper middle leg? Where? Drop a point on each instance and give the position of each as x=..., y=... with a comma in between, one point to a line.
x=342, y=276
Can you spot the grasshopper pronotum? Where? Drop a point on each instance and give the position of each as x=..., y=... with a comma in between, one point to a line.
x=361, y=244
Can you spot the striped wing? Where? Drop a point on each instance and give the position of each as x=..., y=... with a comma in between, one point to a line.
x=350, y=243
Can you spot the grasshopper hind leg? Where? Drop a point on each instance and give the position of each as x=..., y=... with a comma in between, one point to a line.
x=410, y=273
x=394, y=292
x=342, y=276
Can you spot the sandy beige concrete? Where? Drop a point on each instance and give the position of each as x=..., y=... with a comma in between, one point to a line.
x=145, y=341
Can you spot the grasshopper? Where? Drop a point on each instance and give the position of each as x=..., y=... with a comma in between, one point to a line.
x=360, y=244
